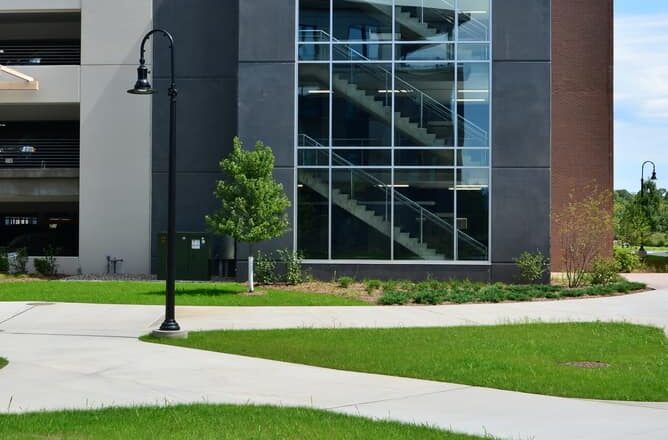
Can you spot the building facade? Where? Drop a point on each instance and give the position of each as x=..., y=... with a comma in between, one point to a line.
x=413, y=137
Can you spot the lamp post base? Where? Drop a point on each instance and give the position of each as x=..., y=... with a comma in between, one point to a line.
x=170, y=334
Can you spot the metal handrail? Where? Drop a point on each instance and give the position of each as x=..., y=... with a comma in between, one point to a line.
x=39, y=153
x=416, y=207
x=26, y=53
x=423, y=99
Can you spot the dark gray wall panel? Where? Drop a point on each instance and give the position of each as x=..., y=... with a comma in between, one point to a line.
x=266, y=30
x=521, y=212
x=521, y=114
x=521, y=30
x=266, y=107
x=206, y=123
x=205, y=34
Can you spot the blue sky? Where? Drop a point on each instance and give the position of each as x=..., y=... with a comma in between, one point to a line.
x=641, y=90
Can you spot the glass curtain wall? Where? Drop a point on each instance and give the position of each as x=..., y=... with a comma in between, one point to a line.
x=393, y=130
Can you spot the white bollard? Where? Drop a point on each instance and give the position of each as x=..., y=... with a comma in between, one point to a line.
x=251, y=286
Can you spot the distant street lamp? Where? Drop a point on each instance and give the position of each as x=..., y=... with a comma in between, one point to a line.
x=169, y=328
x=642, y=252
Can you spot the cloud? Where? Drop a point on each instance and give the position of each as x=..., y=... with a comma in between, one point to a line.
x=641, y=96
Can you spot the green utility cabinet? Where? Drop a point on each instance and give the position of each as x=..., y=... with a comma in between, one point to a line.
x=192, y=256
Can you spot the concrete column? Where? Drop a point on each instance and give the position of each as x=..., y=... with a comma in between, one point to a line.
x=115, y=175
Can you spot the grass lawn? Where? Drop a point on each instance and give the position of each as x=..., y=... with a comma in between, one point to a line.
x=3, y=363
x=192, y=294
x=209, y=422
x=528, y=357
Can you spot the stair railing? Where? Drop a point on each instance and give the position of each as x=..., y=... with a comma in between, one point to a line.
x=423, y=213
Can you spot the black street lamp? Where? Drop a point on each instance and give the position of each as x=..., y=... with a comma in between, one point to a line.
x=642, y=252
x=143, y=87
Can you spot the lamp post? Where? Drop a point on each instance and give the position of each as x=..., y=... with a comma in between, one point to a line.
x=169, y=328
x=642, y=252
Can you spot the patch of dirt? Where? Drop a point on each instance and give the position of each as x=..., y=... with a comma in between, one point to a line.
x=586, y=364
x=355, y=290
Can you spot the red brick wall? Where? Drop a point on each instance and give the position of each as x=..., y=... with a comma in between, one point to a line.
x=582, y=102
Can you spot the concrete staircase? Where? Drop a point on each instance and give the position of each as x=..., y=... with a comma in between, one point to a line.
x=371, y=218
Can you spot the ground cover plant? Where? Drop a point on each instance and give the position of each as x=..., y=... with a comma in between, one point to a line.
x=194, y=294
x=3, y=363
x=460, y=292
x=209, y=422
x=587, y=360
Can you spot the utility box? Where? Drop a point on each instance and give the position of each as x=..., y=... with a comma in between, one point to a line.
x=192, y=256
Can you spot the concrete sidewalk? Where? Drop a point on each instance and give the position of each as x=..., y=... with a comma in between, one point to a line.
x=87, y=356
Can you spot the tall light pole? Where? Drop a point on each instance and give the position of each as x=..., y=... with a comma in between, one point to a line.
x=642, y=252
x=169, y=327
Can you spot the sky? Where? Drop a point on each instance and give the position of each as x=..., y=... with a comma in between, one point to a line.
x=641, y=90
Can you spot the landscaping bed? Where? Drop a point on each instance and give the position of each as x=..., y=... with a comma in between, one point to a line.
x=210, y=422
x=587, y=360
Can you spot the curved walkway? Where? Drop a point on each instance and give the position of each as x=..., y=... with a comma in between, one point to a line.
x=87, y=356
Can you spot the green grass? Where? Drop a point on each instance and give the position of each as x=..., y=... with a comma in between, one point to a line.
x=460, y=292
x=191, y=294
x=209, y=422
x=527, y=357
x=3, y=363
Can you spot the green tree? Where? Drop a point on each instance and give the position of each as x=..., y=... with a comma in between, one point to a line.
x=633, y=226
x=253, y=204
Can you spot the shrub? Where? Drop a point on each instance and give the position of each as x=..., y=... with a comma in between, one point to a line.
x=265, y=269
x=584, y=226
x=431, y=297
x=345, y=282
x=394, y=298
x=603, y=271
x=627, y=259
x=294, y=270
x=372, y=285
x=47, y=266
x=19, y=263
x=532, y=266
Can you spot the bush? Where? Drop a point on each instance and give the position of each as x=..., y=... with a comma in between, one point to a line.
x=345, y=282
x=603, y=271
x=265, y=269
x=47, y=266
x=19, y=263
x=431, y=297
x=532, y=266
x=372, y=285
x=294, y=270
x=394, y=298
x=627, y=259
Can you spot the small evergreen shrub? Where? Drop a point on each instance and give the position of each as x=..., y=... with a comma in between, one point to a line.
x=604, y=271
x=265, y=269
x=394, y=298
x=532, y=265
x=294, y=270
x=345, y=282
x=627, y=259
x=372, y=285
x=47, y=266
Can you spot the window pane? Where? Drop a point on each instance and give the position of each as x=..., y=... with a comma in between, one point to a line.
x=473, y=214
x=361, y=214
x=362, y=20
x=473, y=52
x=473, y=19
x=473, y=104
x=313, y=212
x=313, y=111
x=314, y=52
x=366, y=157
x=314, y=157
x=417, y=157
x=362, y=52
x=362, y=109
x=424, y=214
x=434, y=21
x=423, y=107
x=473, y=158
x=425, y=52
x=313, y=20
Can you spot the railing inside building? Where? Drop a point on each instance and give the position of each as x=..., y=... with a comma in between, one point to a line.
x=35, y=144
x=50, y=53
